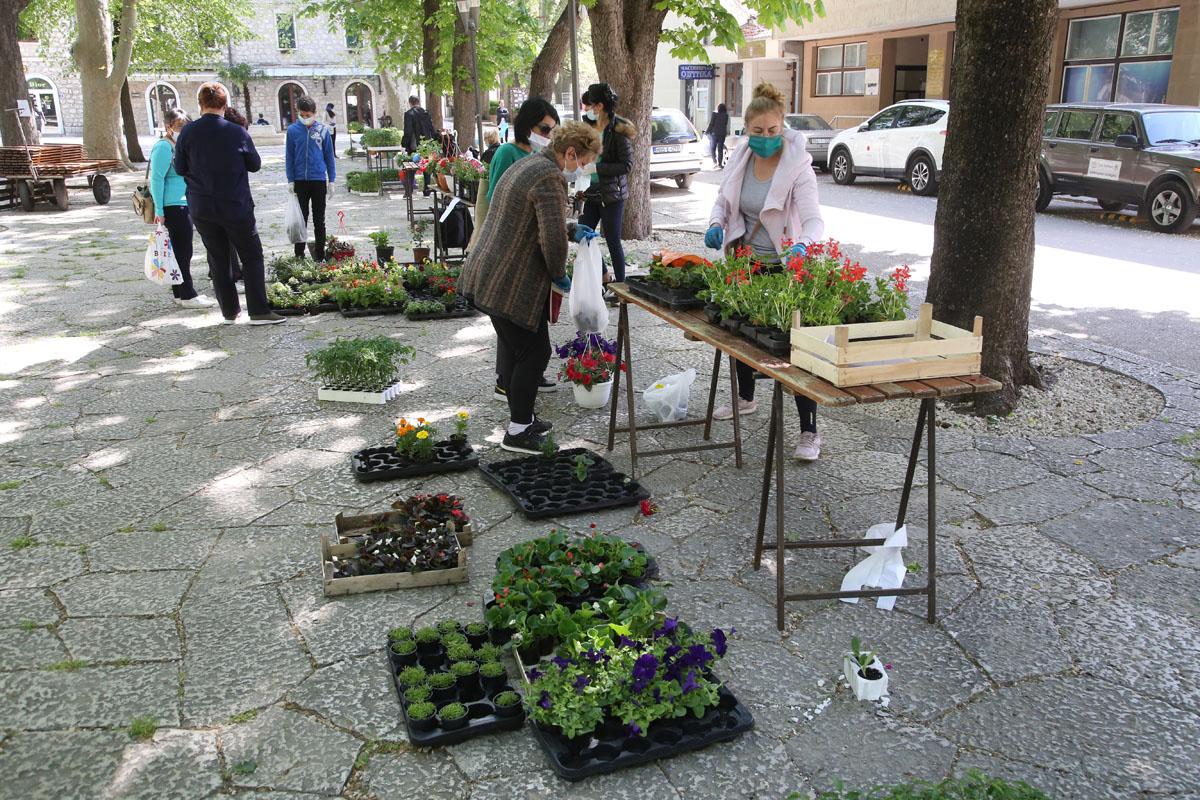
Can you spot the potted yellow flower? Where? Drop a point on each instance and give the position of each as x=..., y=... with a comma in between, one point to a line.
x=415, y=441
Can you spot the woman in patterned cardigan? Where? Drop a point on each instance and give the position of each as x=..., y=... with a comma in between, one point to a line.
x=521, y=251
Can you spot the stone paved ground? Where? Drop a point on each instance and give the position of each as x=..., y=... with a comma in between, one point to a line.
x=165, y=480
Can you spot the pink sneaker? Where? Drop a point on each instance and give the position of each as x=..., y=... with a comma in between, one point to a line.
x=808, y=448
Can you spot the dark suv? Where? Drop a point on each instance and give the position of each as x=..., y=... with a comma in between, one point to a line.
x=1122, y=154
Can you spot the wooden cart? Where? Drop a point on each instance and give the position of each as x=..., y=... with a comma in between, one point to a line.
x=40, y=172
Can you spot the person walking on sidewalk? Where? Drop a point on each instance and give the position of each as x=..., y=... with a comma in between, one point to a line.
x=170, y=208
x=215, y=158
x=308, y=162
x=769, y=195
x=522, y=250
x=717, y=130
x=331, y=123
x=604, y=201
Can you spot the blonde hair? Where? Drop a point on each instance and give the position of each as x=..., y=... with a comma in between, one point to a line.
x=767, y=99
x=580, y=135
x=491, y=137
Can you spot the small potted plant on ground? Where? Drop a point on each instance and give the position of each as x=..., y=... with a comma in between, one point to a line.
x=467, y=675
x=493, y=675
x=419, y=229
x=508, y=704
x=417, y=694
x=448, y=625
x=590, y=361
x=487, y=652
x=421, y=716
x=383, y=251
x=411, y=676
x=865, y=672
x=337, y=250
x=443, y=685
x=404, y=652
x=415, y=442
x=460, y=651
x=453, y=717
x=429, y=641
x=367, y=366
x=476, y=635
x=459, y=437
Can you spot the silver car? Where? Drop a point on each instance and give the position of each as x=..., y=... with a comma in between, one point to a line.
x=1140, y=154
x=817, y=132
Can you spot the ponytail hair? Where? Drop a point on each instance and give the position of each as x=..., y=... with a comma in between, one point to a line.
x=767, y=99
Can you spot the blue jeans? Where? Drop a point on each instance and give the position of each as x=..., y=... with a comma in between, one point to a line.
x=612, y=217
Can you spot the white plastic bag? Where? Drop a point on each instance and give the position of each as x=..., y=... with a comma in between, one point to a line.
x=884, y=568
x=159, y=264
x=293, y=221
x=586, y=301
x=667, y=399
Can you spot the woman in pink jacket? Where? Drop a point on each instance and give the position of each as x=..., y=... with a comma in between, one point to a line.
x=768, y=197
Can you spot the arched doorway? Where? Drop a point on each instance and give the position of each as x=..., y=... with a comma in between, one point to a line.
x=359, y=104
x=44, y=94
x=289, y=95
x=159, y=97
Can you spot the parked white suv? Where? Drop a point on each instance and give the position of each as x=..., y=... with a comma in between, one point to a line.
x=676, y=151
x=903, y=141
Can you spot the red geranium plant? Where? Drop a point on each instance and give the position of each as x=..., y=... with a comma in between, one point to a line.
x=590, y=359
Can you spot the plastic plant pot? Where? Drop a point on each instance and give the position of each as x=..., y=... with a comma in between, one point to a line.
x=865, y=688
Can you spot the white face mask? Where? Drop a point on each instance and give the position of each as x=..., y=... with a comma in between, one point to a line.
x=538, y=141
x=308, y=121
x=590, y=115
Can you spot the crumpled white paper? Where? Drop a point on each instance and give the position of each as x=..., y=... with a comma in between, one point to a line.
x=883, y=568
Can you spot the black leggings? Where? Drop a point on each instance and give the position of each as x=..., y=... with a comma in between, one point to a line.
x=178, y=223
x=612, y=216
x=312, y=192
x=718, y=150
x=806, y=408
x=521, y=358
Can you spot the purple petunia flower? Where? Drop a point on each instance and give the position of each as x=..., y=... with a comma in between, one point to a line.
x=644, y=670
x=697, y=656
x=596, y=656
x=673, y=651
x=533, y=674
x=718, y=640
x=667, y=629
x=581, y=682
x=690, y=683
x=625, y=641
x=633, y=729
x=545, y=701
x=561, y=663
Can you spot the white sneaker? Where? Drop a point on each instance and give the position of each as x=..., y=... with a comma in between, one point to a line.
x=199, y=301
x=809, y=447
x=744, y=407
x=239, y=318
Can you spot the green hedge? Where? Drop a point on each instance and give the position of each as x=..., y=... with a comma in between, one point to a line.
x=974, y=786
x=362, y=181
x=382, y=137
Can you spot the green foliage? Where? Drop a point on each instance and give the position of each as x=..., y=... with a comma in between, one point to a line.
x=21, y=542
x=418, y=694
x=143, y=728
x=29, y=625
x=380, y=238
x=69, y=665
x=243, y=768
x=488, y=652
x=428, y=635
x=460, y=651
x=420, y=711
x=492, y=669
x=974, y=786
x=382, y=137
x=441, y=680
x=367, y=363
x=411, y=676
x=582, y=462
x=453, y=711
x=463, y=669
x=158, y=527
x=244, y=716
x=400, y=634
x=705, y=23
x=7, y=485
x=449, y=626
x=505, y=699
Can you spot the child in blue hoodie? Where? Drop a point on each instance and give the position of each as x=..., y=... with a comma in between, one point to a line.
x=310, y=168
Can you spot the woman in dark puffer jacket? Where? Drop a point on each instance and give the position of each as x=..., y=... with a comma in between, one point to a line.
x=604, y=201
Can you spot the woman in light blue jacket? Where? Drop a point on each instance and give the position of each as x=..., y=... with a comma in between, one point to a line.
x=168, y=189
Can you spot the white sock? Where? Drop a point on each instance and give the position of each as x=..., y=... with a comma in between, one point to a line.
x=517, y=428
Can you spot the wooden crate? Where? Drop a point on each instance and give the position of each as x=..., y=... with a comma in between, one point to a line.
x=350, y=528
x=881, y=352
x=335, y=587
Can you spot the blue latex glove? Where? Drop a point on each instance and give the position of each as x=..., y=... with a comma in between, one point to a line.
x=714, y=238
x=799, y=249
x=564, y=283
x=584, y=234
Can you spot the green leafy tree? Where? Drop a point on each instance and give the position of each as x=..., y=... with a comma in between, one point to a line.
x=241, y=75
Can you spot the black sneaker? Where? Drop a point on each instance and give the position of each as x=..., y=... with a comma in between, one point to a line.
x=500, y=394
x=525, y=442
x=540, y=426
x=547, y=385
x=269, y=318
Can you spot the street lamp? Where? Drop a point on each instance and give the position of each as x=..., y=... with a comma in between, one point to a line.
x=469, y=11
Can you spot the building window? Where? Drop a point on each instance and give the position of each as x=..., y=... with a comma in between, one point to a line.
x=840, y=70
x=353, y=41
x=43, y=95
x=285, y=31
x=1124, y=58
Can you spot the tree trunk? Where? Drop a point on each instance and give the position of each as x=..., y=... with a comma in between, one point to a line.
x=464, y=88
x=246, y=100
x=627, y=33
x=132, y=146
x=12, y=80
x=102, y=72
x=429, y=62
x=983, y=233
x=549, y=61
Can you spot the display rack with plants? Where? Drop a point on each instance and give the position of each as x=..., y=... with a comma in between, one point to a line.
x=547, y=485
x=416, y=451
x=673, y=280
x=358, y=370
x=469, y=696
x=393, y=554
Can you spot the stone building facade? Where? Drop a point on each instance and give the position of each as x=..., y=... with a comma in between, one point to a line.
x=296, y=56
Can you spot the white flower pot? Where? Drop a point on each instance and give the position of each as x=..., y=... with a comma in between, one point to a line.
x=863, y=688
x=594, y=396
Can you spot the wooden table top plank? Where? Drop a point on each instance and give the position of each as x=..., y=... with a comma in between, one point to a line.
x=794, y=379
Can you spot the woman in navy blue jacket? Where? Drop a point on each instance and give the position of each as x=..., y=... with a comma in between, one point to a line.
x=310, y=168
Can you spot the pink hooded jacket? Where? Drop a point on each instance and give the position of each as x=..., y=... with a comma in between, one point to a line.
x=791, y=210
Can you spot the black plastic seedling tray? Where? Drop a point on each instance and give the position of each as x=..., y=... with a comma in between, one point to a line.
x=385, y=464
x=462, y=308
x=480, y=711
x=373, y=311
x=604, y=753
x=547, y=487
x=664, y=295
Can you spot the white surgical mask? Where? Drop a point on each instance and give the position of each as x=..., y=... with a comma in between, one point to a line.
x=538, y=141
x=583, y=182
x=308, y=120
